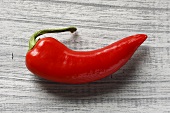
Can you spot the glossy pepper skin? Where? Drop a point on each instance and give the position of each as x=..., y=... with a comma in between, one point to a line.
x=52, y=60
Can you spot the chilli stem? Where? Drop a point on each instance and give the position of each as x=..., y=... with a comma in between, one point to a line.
x=33, y=41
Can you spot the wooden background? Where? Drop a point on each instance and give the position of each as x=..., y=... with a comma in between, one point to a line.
x=141, y=86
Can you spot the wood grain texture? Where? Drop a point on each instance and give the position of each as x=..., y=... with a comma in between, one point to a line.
x=141, y=86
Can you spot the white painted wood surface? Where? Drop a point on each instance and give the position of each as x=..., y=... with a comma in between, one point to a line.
x=141, y=86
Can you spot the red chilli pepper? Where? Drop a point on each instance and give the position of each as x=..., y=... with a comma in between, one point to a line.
x=52, y=60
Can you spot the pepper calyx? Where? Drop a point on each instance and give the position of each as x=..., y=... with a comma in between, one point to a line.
x=33, y=40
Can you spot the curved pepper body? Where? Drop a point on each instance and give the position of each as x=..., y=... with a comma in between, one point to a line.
x=53, y=61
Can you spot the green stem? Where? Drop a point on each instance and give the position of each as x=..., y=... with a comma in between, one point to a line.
x=33, y=41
